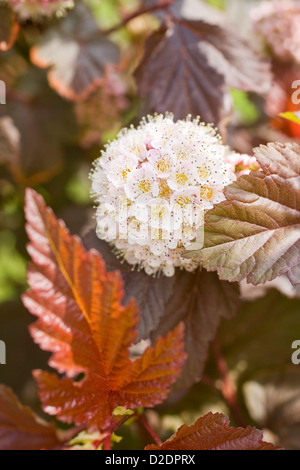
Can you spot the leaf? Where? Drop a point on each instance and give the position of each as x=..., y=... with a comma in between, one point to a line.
x=41, y=116
x=77, y=54
x=255, y=234
x=260, y=335
x=20, y=428
x=152, y=294
x=83, y=323
x=9, y=28
x=9, y=140
x=257, y=347
x=200, y=300
x=102, y=114
x=201, y=60
x=274, y=403
x=212, y=432
x=172, y=62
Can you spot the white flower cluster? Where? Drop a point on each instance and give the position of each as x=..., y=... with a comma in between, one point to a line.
x=153, y=186
x=32, y=9
x=277, y=22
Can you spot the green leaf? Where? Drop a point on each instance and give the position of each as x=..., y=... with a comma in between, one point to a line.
x=246, y=109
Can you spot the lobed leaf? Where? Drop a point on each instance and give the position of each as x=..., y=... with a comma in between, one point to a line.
x=82, y=321
x=77, y=54
x=152, y=294
x=199, y=299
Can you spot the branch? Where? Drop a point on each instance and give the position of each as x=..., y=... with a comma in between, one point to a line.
x=161, y=5
x=228, y=389
x=107, y=442
x=150, y=430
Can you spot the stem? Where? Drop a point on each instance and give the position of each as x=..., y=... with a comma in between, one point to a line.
x=106, y=443
x=150, y=430
x=97, y=444
x=161, y=5
x=228, y=389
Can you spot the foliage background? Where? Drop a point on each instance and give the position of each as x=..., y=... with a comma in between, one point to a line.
x=59, y=139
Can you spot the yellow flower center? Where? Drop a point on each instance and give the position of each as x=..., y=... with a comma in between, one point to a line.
x=164, y=190
x=183, y=201
x=163, y=165
x=181, y=179
x=206, y=192
x=125, y=202
x=145, y=185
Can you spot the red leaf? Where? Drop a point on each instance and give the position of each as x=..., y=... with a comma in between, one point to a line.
x=83, y=323
x=212, y=432
x=34, y=122
x=20, y=428
x=198, y=299
x=201, y=60
x=165, y=69
x=77, y=53
x=255, y=233
x=201, y=300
